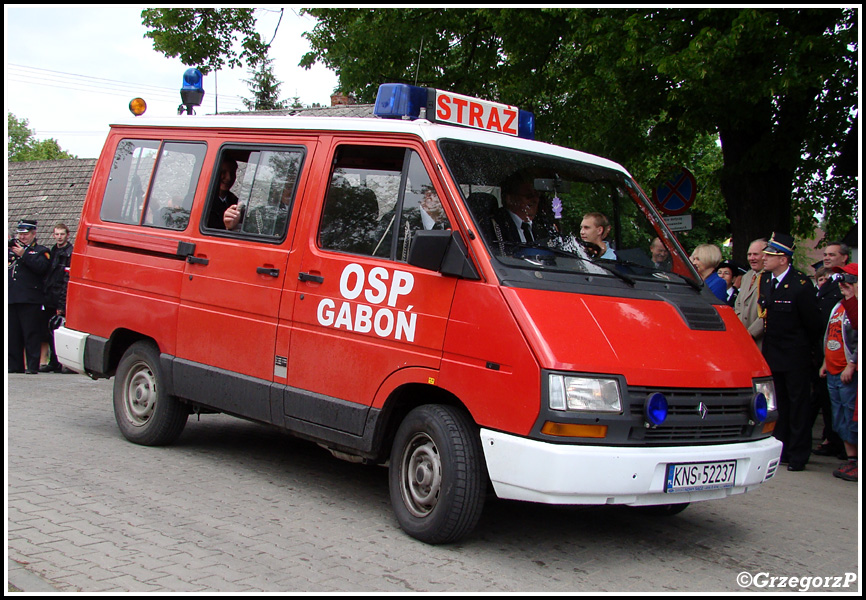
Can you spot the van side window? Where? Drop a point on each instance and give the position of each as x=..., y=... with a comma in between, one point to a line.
x=361, y=200
x=261, y=183
x=422, y=208
x=152, y=183
x=128, y=181
x=370, y=188
x=171, y=195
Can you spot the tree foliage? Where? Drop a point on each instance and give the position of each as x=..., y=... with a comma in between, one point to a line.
x=205, y=37
x=776, y=87
x=265, y=88
x=21, y=145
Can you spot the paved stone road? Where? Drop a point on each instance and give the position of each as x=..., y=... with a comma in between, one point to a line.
x=238, y=507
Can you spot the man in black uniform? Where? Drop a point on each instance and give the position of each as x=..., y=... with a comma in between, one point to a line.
x=28, y=263
x=792, y=325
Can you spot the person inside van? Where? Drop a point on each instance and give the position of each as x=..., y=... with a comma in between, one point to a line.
x=593, y=229
x=224, y=199
x=516, y=219
x=431, y=214
x=661, y=257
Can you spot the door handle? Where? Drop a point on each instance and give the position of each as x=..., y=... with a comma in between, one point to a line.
x=268, y=271
x=197, y=260
x=309, y=277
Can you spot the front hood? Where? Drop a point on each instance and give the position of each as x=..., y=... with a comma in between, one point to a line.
x=646, y=340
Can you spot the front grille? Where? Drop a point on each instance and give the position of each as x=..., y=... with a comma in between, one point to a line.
x=691, y=408
x=694, y=416
x=711, y=433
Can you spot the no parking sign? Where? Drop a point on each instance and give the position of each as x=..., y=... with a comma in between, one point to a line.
x=676, y=195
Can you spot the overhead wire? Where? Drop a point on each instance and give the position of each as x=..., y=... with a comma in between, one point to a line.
x=85, y=83
x=74, y=76
x=277, y=27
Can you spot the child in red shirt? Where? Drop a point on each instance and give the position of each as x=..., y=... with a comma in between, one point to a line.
x=840, y=369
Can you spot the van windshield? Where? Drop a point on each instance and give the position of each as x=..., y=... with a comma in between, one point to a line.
x=547, y=213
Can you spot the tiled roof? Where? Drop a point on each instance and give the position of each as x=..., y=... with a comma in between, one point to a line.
x=351, y=110
x=50, y=191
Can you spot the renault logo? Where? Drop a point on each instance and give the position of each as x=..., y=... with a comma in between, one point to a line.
x=702, y=410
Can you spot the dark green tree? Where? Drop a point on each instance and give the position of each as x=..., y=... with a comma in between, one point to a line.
x=776, y=87
x=21, y=145
x=265, y=88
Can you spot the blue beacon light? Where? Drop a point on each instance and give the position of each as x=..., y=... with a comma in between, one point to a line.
x=656, y=409
x=759, y=408
x=398, y=100
x=526, y=125
x=191, y=92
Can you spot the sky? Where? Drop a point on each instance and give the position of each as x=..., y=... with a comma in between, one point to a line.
x=71, y=70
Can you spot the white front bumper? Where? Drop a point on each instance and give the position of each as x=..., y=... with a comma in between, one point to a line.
x=535, y=471
x=69, y=345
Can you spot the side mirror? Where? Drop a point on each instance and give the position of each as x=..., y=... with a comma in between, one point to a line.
x=442, y=251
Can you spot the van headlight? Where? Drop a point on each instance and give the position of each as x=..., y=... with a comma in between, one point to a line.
x=766, y=387
x=592, y=394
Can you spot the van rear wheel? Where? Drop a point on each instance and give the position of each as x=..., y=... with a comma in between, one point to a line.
x=144, y=412
x=436, y=475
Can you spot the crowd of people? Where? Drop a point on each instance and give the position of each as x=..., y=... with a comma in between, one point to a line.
x=37, y=282
x=807, y=333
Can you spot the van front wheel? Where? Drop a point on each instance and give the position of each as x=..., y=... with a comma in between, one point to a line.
x=144, y=412
x=436, y=474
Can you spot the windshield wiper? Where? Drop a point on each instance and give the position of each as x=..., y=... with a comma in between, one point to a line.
x=694, y=284
x=559, y=252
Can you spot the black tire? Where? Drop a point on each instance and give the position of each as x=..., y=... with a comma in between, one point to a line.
x=144, y=413
x=436, y=474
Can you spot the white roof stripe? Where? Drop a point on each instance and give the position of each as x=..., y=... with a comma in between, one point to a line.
x=421, y=127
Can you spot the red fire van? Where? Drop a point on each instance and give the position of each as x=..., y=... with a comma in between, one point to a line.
x=413, y=290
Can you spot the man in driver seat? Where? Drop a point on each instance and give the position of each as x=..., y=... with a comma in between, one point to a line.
x=516, y=220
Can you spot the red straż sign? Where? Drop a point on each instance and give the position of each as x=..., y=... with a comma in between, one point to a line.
x=479, y=114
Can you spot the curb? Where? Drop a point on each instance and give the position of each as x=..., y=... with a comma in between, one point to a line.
x=25, y=580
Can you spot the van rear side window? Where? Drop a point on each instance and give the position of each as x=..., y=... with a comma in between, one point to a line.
x=153, y=183
x=261, y=183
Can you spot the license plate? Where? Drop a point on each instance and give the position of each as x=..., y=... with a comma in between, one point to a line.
x=694, y=477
